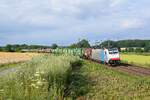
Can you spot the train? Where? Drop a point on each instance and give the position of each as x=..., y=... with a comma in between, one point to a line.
x=106, y=56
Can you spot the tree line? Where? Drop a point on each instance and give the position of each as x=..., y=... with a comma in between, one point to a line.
x=130, y=45
x=18, y=48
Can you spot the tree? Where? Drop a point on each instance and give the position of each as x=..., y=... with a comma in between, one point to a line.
x=73, y=46
x=130, y=49
x=1, y=49
x=111, y=44
x=83, y=44
x=147, y=47
x=9, y=48
x=54, y=46
x=138, y=50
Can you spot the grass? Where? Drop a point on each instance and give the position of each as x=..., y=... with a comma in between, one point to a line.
x=139, y=60
x=107, y=84
x=42, y=78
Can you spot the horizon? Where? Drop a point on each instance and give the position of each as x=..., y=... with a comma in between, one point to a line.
x=64, y=22
x=92, y=44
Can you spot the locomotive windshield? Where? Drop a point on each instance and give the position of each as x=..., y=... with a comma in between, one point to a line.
x=113, y=51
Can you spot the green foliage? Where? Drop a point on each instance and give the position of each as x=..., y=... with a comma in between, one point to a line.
x=81, y=44
x=9, y=48
x=138, y=50
x=1, y=49
x=126, y=43
x=54, y=46
x=147, y=47
x=18, y=48
x=130, y=44
x=109, y=43
x=73, y=46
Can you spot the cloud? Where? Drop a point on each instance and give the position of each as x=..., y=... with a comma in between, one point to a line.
x=132, y=23
x=64, y=21
x=114, y=3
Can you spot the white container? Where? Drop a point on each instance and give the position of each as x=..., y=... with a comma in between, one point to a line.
x=96, y=54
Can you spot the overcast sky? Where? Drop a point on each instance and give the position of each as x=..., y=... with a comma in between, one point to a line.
x=65, y=21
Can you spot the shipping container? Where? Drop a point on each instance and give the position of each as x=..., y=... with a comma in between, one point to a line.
x=98, y=54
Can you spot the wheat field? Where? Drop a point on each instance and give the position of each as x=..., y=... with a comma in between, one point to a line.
x=8, y=57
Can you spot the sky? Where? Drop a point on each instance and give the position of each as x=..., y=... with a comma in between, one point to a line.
x=67, y=21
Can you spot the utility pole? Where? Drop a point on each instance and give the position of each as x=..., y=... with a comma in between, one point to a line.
x=97, y=43
x=108, y=44
x=101, y=44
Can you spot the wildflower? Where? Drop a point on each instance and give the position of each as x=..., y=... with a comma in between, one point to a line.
x=33, y=85
x=36, y=87
x=2, y=90
x=42, y=72
x=39, y=83
x=37, y=74
x=21, y=83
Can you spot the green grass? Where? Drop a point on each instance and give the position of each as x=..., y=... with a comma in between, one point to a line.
x=139, y=60
x=42, y=78
x=108, y=84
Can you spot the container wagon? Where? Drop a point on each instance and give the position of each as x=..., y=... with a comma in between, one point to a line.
x=107, y=56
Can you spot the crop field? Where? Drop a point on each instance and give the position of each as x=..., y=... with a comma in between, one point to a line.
x=139, y=60
x=6, y=57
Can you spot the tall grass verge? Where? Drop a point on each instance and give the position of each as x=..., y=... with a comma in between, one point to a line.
x=42, y=78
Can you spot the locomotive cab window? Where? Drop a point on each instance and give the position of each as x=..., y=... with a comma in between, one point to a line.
x=113, y=51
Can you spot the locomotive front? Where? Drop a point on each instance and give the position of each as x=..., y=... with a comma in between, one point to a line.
x=112, y=56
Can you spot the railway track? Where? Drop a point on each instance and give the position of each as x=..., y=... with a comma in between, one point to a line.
x=130, y=69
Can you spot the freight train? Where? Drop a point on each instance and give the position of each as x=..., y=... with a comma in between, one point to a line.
x=106, y=56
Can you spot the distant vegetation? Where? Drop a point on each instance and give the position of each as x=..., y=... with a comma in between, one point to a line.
x=127, y=46
x=127, y=43
x=54, y=46
x=81, y=44
x=18, y=48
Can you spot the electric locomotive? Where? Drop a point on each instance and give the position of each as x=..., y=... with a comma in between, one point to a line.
x=106, y=56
